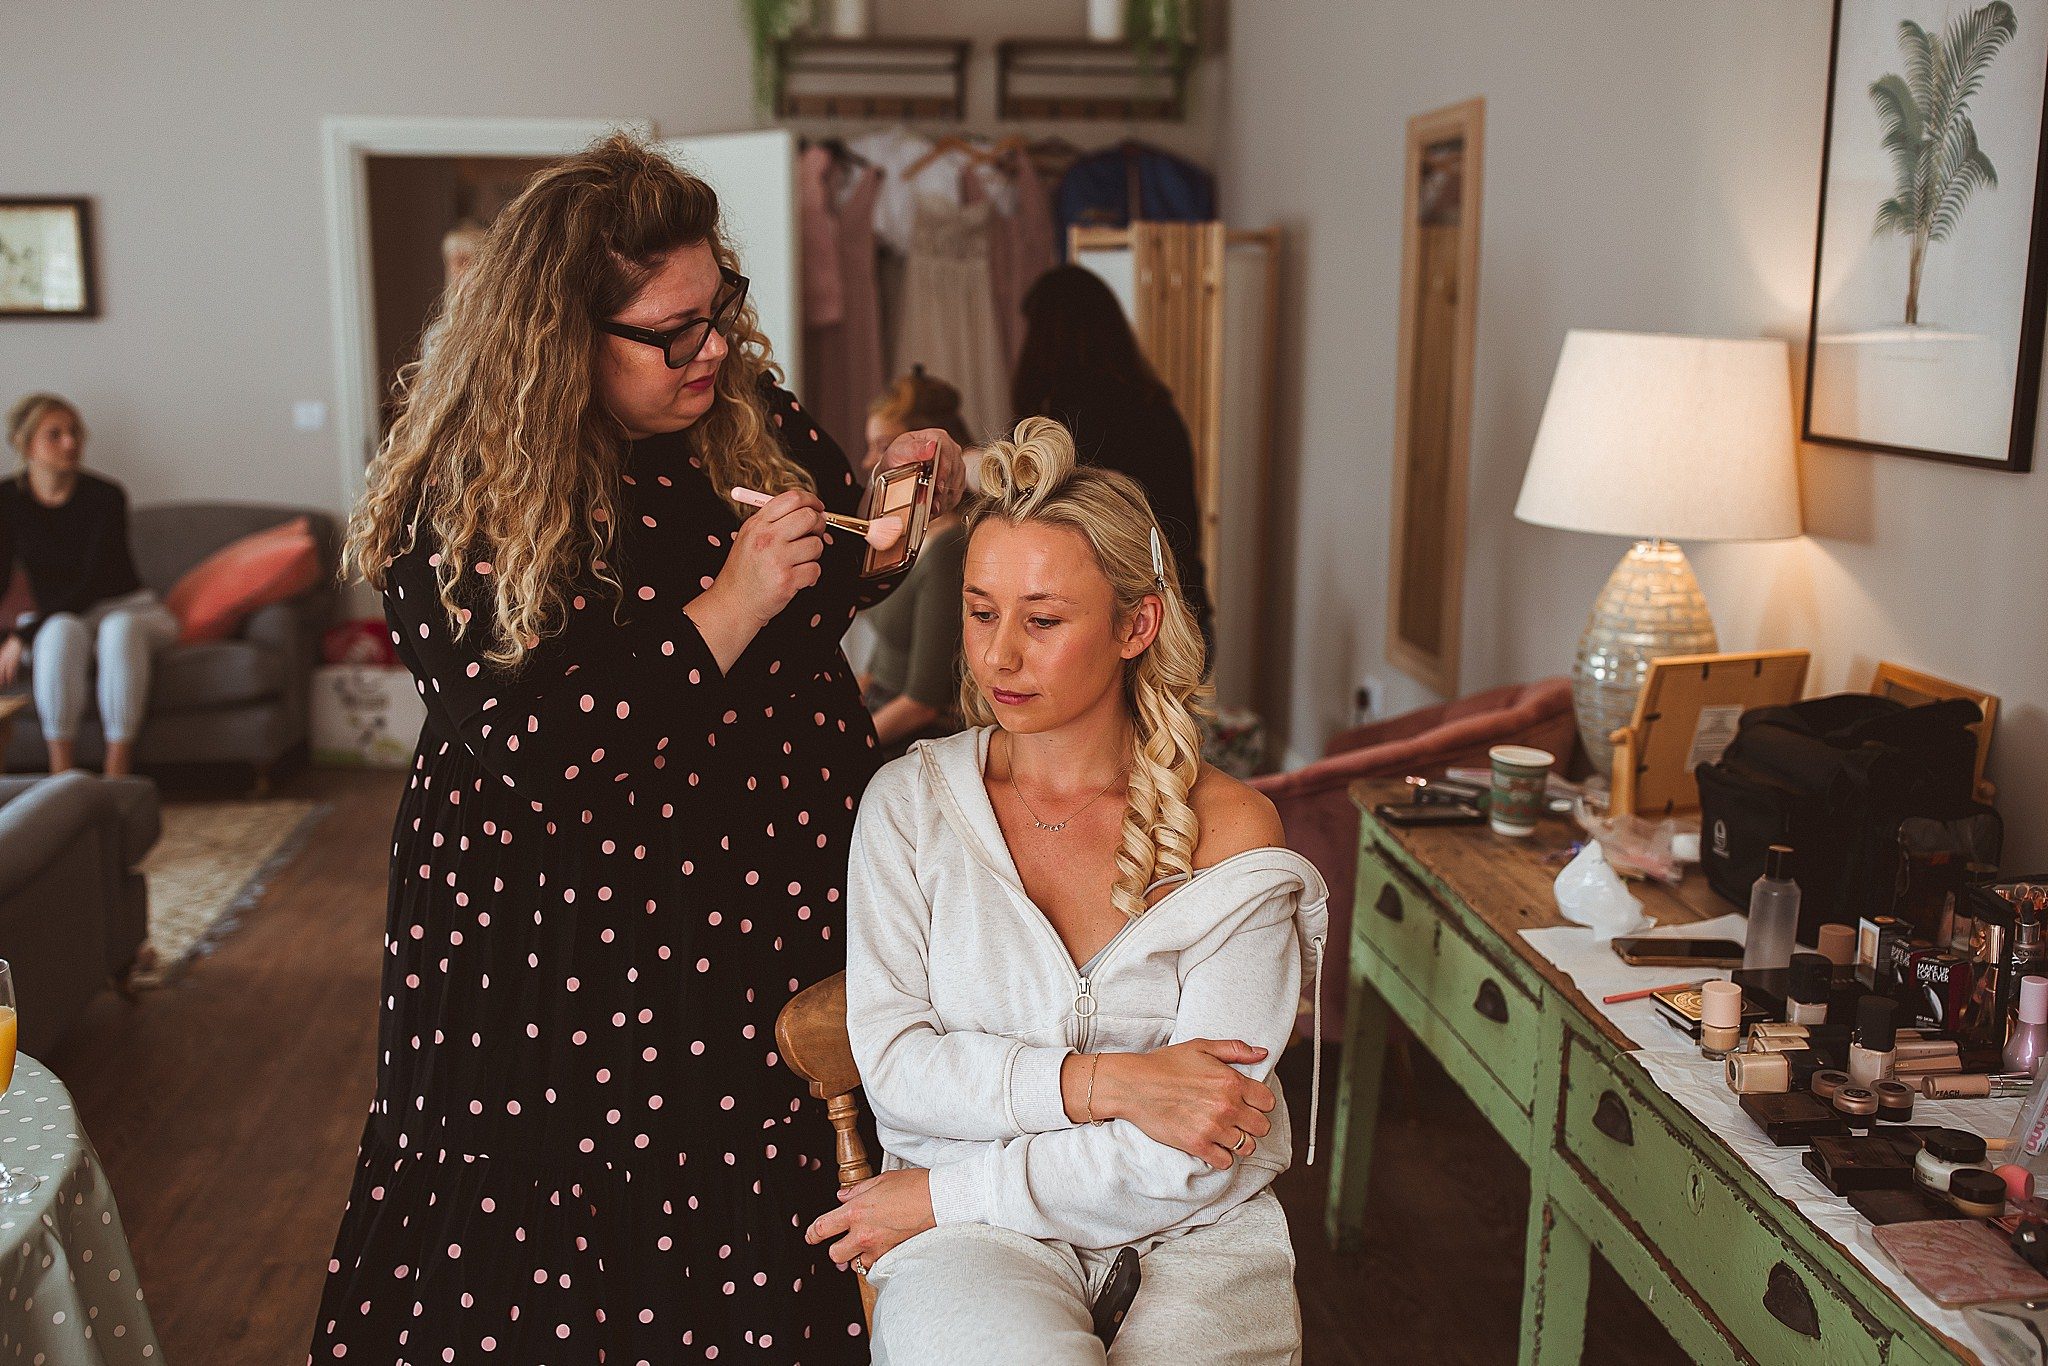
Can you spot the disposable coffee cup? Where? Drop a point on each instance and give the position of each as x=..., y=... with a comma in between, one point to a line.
x=1520, y=774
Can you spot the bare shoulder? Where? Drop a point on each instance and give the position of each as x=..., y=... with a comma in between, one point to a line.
x=1234, y=817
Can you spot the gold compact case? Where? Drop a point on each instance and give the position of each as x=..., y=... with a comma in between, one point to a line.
x=903, y=491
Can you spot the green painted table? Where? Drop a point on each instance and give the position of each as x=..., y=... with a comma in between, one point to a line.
x=68, y=1293
x=1731, y=1269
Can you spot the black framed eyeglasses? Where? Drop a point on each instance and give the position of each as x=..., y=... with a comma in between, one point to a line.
x=680, y=345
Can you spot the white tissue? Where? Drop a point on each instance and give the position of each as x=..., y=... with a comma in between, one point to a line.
x=1590, y=893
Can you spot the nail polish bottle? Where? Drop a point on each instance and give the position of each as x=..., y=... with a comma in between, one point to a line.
x=1807, y=1001
x=1870, y=1053
x=2029, y=1038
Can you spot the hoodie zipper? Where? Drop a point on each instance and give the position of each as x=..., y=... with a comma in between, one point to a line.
x=1084, y=989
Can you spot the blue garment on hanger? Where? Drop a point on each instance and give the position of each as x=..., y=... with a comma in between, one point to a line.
x=1111, y=187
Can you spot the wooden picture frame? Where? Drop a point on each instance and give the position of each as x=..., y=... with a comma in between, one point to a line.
x=46, y=258
x=1686, y=715
x=1433, y=391
x=1915, y=688
x=1925, y=329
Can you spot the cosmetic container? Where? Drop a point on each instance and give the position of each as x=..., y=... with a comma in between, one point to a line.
x=1759, y=1073
x=2029, y=1037
x=1979, y=1194
x=1870, y=1055
x=1720, y=1018
x=1807, y=1001
x=1773, y=913
x=1826, y=1083
x=1857, y=1105
x=1943, y=1153
x=1837, y=944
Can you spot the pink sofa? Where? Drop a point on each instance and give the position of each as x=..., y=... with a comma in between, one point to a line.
x=1322, y=824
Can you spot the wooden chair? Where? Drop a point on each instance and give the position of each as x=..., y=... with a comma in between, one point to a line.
x=810, y=1033
x=1914, y=688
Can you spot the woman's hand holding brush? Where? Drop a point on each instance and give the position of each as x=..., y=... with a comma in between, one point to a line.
x=774, y=557
x=881, y=532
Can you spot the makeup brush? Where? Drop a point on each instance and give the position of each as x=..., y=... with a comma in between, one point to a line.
x=881, y=532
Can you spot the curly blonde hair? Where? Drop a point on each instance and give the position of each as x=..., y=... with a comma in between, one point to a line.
x=502, y=447
x=1033, y=478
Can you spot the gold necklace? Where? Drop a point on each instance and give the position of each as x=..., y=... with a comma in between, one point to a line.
x=1061, y=825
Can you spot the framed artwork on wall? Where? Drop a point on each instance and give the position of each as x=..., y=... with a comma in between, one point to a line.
x=1433, y=391
x=1925, y=334
x=46, y=268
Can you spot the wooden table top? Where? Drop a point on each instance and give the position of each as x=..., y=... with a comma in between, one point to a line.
x=1507, y=883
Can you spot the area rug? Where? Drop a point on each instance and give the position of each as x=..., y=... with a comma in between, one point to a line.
x=213, y=863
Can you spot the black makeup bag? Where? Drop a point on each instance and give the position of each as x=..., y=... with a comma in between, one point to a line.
x=1837, y=778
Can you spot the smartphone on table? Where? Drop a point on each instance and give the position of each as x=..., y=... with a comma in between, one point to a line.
x=1656, y=951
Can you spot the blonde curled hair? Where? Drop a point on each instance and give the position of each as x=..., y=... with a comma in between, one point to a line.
x=1033, y=478
x=29, y=411
x=502, y=447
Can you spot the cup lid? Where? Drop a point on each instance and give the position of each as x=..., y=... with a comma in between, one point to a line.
x=1525, y=756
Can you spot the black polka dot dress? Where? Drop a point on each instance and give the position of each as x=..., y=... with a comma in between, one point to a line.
x=610, y=871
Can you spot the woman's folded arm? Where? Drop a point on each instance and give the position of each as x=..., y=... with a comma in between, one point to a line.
x=1108, y=1184
x=921, y=1077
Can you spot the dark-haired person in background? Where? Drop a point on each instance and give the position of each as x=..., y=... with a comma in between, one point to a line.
x=1080, y=363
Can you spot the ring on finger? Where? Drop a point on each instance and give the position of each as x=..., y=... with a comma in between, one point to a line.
x=860, y=1264
x=1243, y=1137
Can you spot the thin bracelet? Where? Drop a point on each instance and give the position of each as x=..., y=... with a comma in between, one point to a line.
x=1088, y=1104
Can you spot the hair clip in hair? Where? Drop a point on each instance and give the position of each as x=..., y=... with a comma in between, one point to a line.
x=1158, y=562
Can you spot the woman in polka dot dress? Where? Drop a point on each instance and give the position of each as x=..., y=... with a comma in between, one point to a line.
x=624, y=843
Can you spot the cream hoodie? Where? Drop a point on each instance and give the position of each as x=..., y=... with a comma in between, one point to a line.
x=962, y=1003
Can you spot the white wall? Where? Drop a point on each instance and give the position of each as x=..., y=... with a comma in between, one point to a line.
x=1649, y=167
x=195, y=128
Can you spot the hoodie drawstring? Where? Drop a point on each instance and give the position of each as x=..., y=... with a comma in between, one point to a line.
x=1315, y=1082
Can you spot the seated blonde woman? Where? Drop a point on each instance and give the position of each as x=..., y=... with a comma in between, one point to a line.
x=1074, y=953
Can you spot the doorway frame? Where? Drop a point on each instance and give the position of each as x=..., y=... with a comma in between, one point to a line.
x=348, y=142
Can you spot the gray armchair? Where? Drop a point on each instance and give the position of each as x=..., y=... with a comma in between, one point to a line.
x=74, y=910
x=238, y=701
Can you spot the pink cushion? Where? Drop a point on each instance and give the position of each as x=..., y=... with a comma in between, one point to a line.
x=218, y=593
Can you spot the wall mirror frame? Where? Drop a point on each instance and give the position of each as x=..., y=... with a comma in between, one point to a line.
x=1433, y=399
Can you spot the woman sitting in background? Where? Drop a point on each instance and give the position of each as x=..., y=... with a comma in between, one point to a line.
x=1080, y=363
x=913, y=674
x=1060, y=1062
x=69, y=531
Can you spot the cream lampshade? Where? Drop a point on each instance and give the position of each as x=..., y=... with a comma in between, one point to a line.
x=1669, y=438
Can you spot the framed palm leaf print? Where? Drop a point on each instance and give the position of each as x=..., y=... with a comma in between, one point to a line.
x=1926, y=323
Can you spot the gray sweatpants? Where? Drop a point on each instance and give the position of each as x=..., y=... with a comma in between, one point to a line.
x=121, y=637
x=971, y=1295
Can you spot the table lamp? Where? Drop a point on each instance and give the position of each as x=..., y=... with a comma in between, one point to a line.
x=1666, y=438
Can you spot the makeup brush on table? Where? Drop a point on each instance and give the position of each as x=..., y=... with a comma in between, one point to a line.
x=879, y=532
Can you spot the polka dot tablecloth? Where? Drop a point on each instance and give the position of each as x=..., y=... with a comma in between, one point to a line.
x=68, y=1293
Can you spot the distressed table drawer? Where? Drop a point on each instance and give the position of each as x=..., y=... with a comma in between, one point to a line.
x=1397, y=915
x=1480, y=1003
x=1724, y=1251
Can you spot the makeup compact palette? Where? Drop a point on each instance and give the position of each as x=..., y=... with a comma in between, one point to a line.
x=905, y=492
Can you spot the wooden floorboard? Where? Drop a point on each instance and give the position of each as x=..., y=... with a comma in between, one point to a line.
x=226, y=1107
x=226, y=1110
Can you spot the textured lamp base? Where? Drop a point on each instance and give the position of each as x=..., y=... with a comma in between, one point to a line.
x=1651, y=607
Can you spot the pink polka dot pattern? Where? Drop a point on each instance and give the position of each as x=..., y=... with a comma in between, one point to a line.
x=603, y=890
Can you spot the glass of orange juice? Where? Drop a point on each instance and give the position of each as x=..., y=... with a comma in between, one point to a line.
x=15, y=1184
